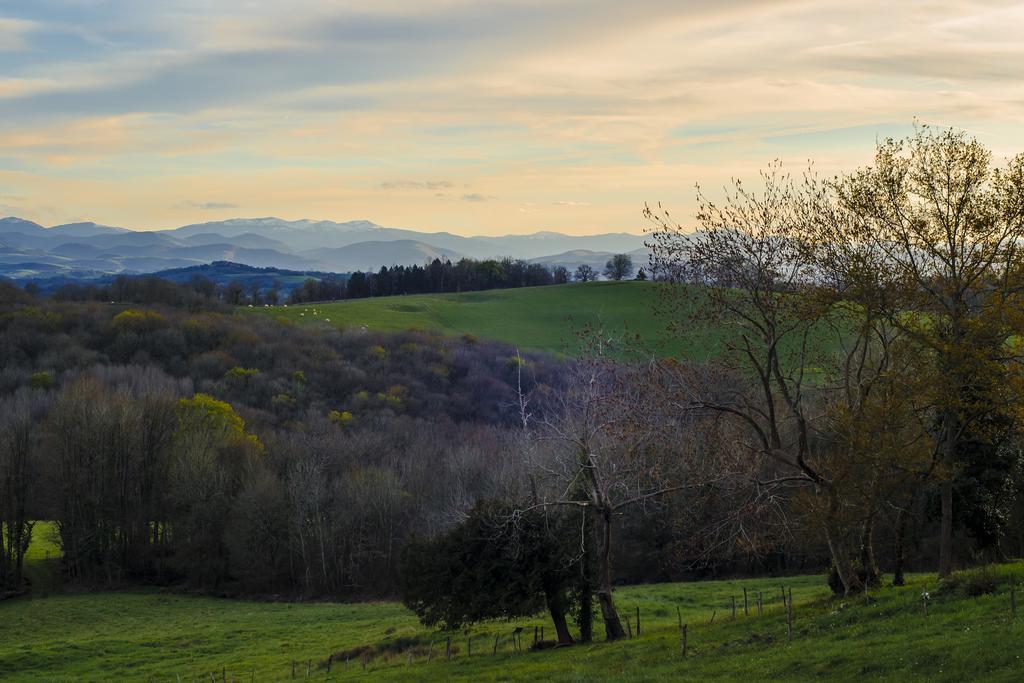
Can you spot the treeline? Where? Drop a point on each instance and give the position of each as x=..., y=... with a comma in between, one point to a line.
x=465, y=275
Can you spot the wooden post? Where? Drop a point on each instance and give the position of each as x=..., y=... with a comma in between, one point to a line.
x=734, y=608
x=363, y=660
x=679, y=616
x=448, y=649
x=495, y=650
x=330, y=662
x=629, y=627
x=469, y=646
x=534, y=636
x=346, y=662
x=713, y=613
x=760, y=603
x=408, y=660
x=783, y=596
x=682, y=638
x=789, y=616
x=1013, y=597
x=293, y=668
x=746, y=612
x=430, y=651
x=638, y=621
x=309, y=667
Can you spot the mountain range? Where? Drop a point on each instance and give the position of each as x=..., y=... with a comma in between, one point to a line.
x=88, y=250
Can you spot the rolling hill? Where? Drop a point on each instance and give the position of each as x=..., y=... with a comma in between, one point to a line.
x=70, y=251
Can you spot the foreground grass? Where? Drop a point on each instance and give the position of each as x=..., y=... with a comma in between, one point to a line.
x=152, y=635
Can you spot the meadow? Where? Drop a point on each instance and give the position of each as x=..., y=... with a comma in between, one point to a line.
x=547, y=318
x=891, y=634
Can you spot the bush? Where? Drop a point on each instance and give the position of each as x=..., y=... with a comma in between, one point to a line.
x=972, y=582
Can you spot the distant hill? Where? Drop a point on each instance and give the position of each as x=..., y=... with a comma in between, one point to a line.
x=69, y=251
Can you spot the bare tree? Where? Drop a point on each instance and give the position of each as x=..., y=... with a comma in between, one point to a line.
x=611, y=446
x=777, y=270
x=20, y=470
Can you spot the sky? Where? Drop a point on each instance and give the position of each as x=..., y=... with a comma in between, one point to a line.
x=468, y=116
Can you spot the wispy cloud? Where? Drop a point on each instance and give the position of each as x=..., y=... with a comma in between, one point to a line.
x=207, y=206
x=475, y=197
x=417, y=185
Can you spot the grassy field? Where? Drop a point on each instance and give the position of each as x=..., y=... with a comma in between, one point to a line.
x=535, y=317
x=150, y=635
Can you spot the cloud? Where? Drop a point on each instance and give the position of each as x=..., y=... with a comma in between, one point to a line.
x=417, y=185
x=14, y=34
x=208, y=205
x=312, y=108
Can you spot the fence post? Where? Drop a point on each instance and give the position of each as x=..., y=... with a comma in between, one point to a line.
x=330, y=661
x=638, y=621
x=469, y=646
x=293, y=668
x=682, y=637
x=448, y=649
x=746, y=612
x=495, y=650
x=789, y=616
x=734, y=608
x=1013, y=597
x=629, y=628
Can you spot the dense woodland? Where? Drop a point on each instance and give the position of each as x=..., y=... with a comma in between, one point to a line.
x=864, y=417
x=438, y=276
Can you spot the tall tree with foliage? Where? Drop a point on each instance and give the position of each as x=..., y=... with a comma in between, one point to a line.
x=950, y=224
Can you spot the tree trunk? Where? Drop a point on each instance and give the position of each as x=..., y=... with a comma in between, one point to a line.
x=950, y=429
x=946, y=530
x=898, y=552
x=872, y=575
x=612, y=624
x=840, y=557
x=556, y=607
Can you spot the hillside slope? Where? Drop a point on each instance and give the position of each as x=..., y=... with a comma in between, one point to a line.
x=545, y=318
x=151, y=635
x=535, y=317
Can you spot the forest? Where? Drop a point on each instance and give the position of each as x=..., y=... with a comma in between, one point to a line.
x=863, y=417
